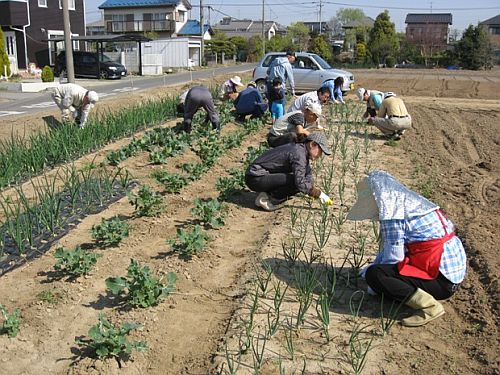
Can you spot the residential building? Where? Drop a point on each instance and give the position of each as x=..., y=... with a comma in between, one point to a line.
x=28, y=24
x=429, y=31
x=95, y=28
x=247, y=28
x=315, y=27
x=492, y=27
x=162, y=17
x=192, y=29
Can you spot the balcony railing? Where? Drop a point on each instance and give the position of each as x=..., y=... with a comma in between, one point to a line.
x=140, y=25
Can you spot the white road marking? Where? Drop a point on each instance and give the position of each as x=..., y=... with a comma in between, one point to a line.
x=8, y=113
x=40, y=105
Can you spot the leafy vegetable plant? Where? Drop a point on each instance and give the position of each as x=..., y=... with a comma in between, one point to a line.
x=146, y=202
x=11, y=322
x=144, y=289
x=173, y=183
x=110, y=341
x=75, y=262
x=110, y=232
x=190, y=242
x=209, y=212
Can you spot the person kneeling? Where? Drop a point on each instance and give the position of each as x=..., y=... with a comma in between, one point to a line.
x=284, y=171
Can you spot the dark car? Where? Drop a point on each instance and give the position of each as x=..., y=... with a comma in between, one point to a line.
x=85, y=64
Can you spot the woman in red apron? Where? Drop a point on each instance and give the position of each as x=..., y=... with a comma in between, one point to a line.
x=420, y=259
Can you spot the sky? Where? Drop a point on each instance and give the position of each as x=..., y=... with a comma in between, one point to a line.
x=465, y=12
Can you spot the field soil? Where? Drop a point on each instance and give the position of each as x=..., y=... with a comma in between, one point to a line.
x=452, y=153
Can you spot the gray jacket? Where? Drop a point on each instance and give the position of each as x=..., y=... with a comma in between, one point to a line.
x=281, y=68
x=288, y=158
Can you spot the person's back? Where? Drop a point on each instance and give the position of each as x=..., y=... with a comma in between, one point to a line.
x=246, y=100
x=300, y=103
x=71, y=92
x=393, y=106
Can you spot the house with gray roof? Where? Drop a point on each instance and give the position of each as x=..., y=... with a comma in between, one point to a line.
x=492, y=27
x=163, y=17
x=247, y=28
x=429, y=31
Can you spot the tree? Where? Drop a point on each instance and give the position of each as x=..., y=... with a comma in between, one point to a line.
x=320, y=45
x=241, y=47
x=221, y=44
x=299, y=34
x=383, y=38
x=474, y=49
x=255, y=48
x=346, y=15
x=4, y=59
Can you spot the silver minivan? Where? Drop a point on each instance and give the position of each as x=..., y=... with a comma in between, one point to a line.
x=309, y=72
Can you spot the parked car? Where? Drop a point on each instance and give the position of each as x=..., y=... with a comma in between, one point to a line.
x=309, y=72
x=85, y=64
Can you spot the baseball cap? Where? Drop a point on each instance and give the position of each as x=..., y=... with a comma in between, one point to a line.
x=321, y=141
x=252, y=83
x=93, y=97
x=314, y=108
x=388, y=94
x=360, y=93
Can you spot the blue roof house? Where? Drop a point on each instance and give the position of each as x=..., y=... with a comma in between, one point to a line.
x=163, y=17
x=192, y=29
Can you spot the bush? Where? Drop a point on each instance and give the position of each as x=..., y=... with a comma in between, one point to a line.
x=390, y=62
x=47, y=74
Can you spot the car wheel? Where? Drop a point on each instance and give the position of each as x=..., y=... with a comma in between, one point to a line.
x=103, y=74
x=261, y=86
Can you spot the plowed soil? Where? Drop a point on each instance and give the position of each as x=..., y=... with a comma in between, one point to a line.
x=452, y=152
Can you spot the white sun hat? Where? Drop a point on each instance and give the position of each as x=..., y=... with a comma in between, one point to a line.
x=236, y=80
x=93, y=97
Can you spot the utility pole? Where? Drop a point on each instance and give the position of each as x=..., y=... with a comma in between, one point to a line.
x=202, y=49
x=70, y=71
x=263, y=31
x=320, y=8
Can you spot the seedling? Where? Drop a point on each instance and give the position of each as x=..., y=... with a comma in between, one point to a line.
x=49, y=297
x=110, y=341
x=75, y=262
x=146, y=202
x=210, y=212
x=190, y=242
x=172, y=182
x=110, y=232
x=229, y=186
x=143, y=288
x=387, y=321
x=11, y=322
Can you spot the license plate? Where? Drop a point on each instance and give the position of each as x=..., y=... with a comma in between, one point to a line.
x=351, y=86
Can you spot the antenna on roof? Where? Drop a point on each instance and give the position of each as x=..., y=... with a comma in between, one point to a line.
x=431, y=6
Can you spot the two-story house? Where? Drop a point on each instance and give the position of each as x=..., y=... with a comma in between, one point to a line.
x=429, y=31
x=28, y=24
x=162, y=17
x=492, y=27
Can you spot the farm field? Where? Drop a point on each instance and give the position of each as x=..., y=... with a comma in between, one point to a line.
x=253, y=301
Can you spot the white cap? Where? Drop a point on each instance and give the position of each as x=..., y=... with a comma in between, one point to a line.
x=388, y=94
x=360, y=93
x=93, y=97
x=314, y=108
x=236, y=80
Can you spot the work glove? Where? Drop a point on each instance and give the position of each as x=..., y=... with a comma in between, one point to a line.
x=325, y=199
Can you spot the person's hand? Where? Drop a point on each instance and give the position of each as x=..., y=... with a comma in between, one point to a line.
x=370, y=120
x=325, y=199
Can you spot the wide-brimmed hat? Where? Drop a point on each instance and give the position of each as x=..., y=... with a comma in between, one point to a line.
x=236, y=80
x=365, y=207
x=321, y=141
x=315, y=108
x=93, y=97
x=360, y=93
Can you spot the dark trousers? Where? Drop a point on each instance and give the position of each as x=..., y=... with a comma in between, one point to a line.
x=278, y=185
x=258, y=111
x=385, y=279
x=199, y=97
x=278, y=140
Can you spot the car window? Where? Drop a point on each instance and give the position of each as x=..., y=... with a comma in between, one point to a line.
x=105, y=58
x=304, y=62
x=269, y=59
x=321, y=62
x=89, y=59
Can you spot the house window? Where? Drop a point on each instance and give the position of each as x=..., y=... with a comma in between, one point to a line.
x=181, y=16
x=42, y=3
x=495, y=30
x=71, y=4
x=118, y=22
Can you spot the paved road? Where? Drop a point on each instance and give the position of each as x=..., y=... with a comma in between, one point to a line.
x=18, y=103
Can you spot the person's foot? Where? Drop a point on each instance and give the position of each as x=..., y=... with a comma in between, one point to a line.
x=264, y=201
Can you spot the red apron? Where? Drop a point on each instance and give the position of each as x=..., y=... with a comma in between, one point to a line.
x=423, y=258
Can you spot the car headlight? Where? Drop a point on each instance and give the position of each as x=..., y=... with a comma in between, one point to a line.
x=112, y=68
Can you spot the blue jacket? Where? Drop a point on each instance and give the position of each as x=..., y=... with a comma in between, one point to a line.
x=335, y=92
x=247, y=100
x=281, y=68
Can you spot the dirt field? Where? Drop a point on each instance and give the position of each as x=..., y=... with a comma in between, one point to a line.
x=452, y=151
